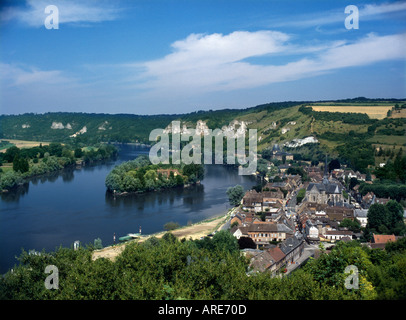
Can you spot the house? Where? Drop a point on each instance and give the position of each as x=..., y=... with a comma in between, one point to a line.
x=283, y=186
x=278, y=154
x=336, y=235
x=252, y=201
x=270, y=260
x=237, y=219
x=294, y=180
x=292, y=248
x=349, y=174
x=264, y=232
x=338, y=213
x=362, y=216
x=381, y=200
x=361, y=176
x=314, y=174
x=380, y=240
x=260, y=260
x=166, y=172
x=368, y=199
x=249, y=217
x=263, y=201
x=283, y=167
x=338, y=174
x=311, y=231
x=278, y=256
x=272, y=199
x=239, y=231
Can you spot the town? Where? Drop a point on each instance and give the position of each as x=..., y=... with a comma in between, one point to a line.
x=285, y=223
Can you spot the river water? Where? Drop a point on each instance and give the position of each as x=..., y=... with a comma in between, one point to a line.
x=71, y=205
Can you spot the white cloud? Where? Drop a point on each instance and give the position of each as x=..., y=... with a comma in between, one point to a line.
x=317, y=19
x=372, y=9
x=33, y=14
x=210, y=63
x=18, y=76
x=199, y=66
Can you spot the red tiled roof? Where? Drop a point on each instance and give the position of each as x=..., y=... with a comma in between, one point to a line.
x=384, y=238
x=276, y=253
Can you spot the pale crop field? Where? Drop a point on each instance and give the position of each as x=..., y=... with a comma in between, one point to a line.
x=24, y=143
x=374, y=112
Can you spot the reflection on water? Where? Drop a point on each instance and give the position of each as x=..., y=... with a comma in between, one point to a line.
x=190, y=196
x=14, y=195
x=72, y=204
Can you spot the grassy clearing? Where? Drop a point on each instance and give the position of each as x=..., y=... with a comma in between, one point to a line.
x=7, y=167
x=283, y=119
x=398, y=113
x=388, y=140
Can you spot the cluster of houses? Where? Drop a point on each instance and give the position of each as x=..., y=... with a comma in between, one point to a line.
x=320, y=222
x=280, y=234
x=273, y=197
x=277, y=241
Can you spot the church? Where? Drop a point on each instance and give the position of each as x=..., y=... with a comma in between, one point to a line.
x=325, y=192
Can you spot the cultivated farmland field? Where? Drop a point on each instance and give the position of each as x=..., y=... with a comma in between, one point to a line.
x=23, y=143
x=374, y=112
x=398, y=113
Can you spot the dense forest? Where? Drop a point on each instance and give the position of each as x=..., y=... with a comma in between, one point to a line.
x=207, y=269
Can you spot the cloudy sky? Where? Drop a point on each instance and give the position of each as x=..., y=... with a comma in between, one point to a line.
x=179, y=56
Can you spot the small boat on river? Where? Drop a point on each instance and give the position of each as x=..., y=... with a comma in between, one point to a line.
x=129, y=236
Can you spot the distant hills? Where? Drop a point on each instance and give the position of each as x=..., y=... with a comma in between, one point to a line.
x=280, y=122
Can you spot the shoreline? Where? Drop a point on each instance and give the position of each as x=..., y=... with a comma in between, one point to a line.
x=193, y=232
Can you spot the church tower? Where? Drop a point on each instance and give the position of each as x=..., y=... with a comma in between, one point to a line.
x=325, y=178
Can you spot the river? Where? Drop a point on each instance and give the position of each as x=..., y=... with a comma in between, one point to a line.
x=71, y=205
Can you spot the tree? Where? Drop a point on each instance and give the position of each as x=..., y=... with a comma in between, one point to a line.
x=78, y=153
x=98, y=244
x=171, y=226
x=353, y=183
x=246, y=243
x=300, y=195
x=354, y=226
x=262, y=167
x=224, y=240
x=55, y=149
x=196, y=169
x=395, y=217
x=376, y=216
x=235, y=194
x=10, y=179
x=334, y=164
x=20, y=164
x=386, y=219
x=11, y=153
x=266, y=154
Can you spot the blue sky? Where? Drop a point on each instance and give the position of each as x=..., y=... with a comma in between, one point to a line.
x=178, y=56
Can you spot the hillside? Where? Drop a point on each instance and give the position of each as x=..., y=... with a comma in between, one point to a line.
x=354, y=136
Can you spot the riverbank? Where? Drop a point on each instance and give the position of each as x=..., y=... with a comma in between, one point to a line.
x=21, y=165
x=193, y=232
